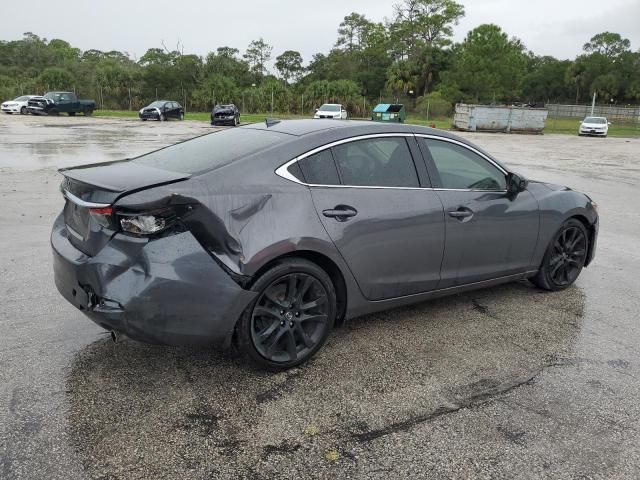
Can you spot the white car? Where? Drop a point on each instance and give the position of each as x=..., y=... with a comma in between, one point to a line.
x=17, y=105
x=596, y=126
x=331, y=110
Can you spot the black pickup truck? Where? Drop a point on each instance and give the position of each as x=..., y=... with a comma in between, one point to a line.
x=54, y=103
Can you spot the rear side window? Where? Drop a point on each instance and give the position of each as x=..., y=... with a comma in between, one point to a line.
x=211, y=151
x=320, y=169
x=376, y=162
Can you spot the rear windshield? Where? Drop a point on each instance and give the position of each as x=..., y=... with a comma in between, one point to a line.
x=210, y=151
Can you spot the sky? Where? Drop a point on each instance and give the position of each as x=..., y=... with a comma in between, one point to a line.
x=547, y=27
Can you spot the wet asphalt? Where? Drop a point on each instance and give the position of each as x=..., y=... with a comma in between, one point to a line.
x=506, y=382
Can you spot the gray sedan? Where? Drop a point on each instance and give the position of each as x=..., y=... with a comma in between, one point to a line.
x=268, y=235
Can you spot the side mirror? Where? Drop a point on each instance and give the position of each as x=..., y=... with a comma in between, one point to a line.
x=515, y=184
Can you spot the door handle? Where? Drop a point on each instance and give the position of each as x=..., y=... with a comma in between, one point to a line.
x=463, y=214
x=341, y=213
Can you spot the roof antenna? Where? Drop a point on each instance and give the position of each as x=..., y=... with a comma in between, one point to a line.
x=270, y=122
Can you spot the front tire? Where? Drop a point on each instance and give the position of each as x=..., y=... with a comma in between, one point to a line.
x=72, y=114
x=291, y=317
x=162, y=117
x=564, y=258
x=181, y=115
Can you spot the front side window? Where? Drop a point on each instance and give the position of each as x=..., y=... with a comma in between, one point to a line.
x=460, y=168
x=379, y=162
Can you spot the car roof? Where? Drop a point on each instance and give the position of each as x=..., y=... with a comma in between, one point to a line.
x=354, y=127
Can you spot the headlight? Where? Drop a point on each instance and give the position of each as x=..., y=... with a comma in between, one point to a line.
x=141, y=110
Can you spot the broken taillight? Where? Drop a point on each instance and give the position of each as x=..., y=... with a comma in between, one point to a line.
x=102, y=215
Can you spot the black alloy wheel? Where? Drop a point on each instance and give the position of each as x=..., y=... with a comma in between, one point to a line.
x=291, y=317
x=565, y=257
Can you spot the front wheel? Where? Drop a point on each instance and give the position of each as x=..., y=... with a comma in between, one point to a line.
x=291, y=317
x=162, y=117
x=72, y=114
x=565, y=257
x=181, y=115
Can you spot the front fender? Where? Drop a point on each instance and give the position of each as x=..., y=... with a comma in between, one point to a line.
x=557, y=205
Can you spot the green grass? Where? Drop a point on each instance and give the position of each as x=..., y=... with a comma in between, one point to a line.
x=567, y=126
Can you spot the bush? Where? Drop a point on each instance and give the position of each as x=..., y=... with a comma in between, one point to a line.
x=436, y=105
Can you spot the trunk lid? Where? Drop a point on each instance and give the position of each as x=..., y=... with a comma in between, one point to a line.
x=98, y=186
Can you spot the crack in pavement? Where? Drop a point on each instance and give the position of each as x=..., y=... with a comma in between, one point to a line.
x=473, y=401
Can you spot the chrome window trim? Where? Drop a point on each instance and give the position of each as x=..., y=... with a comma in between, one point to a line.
x=282, y=170
x=78, y=201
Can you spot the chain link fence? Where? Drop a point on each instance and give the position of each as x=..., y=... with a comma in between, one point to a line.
x=626, y=115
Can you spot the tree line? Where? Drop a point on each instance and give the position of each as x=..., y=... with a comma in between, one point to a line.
x=409, y=56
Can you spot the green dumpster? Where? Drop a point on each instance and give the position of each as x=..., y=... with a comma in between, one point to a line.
x=389, y=112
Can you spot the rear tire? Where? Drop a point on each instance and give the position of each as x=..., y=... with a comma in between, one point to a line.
x=181, y=115
x=88, y=112
x=564, y=258
x=72, y=114
x=23, y=111
x=162, y=117
x=53, y=113
x=291, y=317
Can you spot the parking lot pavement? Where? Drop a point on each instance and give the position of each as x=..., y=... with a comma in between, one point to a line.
x=507, y=382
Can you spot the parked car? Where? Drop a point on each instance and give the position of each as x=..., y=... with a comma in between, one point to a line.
x=17, y=105
x=594, y=126
x=162, y=110
x=55, y=103
x=268, y=234
x=225, y=115
x=331, y=110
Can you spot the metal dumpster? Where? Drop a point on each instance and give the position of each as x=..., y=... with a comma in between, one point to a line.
x=389, y=112
x=499, y=118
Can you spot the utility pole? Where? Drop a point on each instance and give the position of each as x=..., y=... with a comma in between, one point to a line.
x=593, y=103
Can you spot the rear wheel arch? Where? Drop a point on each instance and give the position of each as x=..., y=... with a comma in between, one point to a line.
x=326, y=264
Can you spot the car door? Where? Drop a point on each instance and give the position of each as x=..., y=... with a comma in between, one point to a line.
x=375, y=204
x=489, y=233
x=171, y=110
x=64, y=103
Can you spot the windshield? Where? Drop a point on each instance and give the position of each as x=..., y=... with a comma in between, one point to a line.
x=156, y=104
x=595, y=120
x=53, y=95
x=327, y=107
x=210, y=151
x=23, y=98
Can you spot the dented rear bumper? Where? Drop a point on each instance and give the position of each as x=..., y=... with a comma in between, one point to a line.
x=167, y=290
